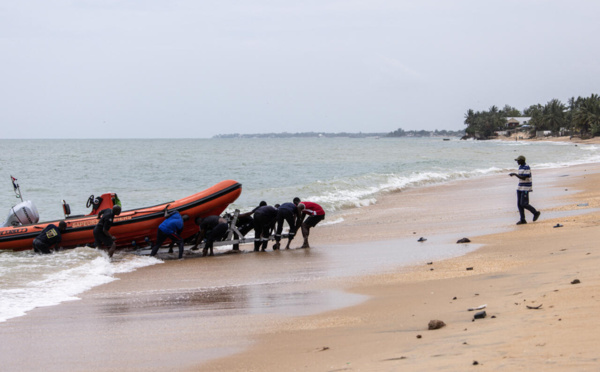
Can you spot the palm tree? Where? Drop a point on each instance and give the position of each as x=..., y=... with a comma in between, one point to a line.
x=587, y=116
x=553, y=115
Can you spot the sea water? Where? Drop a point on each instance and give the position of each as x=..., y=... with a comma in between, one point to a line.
x=338, y=173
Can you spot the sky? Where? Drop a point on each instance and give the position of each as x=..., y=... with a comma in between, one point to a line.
x=195, y=69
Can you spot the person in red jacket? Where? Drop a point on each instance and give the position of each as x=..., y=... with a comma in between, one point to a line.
x=315, y=214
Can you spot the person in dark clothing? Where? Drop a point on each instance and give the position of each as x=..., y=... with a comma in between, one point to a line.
x=523, y=189
x=214, y=228
x=170, y=228
x=101, y=231
x=290, y=213
x=245, y=223
x=264, y=220
x=49, y=237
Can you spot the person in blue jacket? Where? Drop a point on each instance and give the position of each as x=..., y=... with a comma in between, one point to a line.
x=170, y=228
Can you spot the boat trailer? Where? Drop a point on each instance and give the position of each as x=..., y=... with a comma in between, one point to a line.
x=234, y=237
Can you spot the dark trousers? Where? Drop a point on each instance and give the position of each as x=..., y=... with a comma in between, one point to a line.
x=244, y=225
x=523, y=203
x=160, y=239
x=262, y=230
x=287, y=215
x=40, y=247
x=216, y=235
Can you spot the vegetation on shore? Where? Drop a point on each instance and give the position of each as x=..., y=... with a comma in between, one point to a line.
x=580, y=116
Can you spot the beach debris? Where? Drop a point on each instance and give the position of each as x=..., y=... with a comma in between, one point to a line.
x=583, y=204
x=392, y=359
x=429, y=263
x=475, y=363
x=493, y=317
x=558, y=225
x=435, y=324
x=576, y=281
x=469, y=268
x=419, y=336
x=421, y=239
x=454, y=298
x=480, y=307
x=534, y=307
x=323, y=348
x=463, y=240
x=480, y=315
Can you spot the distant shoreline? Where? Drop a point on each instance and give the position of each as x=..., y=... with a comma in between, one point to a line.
x=396, y=134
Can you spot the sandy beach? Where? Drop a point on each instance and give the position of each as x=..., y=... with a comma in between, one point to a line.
x=537, y=317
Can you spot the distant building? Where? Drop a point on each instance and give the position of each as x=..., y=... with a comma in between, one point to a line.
x=514, y=122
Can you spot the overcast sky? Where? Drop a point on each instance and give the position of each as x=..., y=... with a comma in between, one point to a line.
x=193, y=68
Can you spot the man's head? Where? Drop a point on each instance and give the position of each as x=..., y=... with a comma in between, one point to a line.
x=62, y=226
x=296, y=200
x=116, y=210
x=262, y=203
x=198, y=220
x=301, y=207
x=520, y=159
x=185, y=217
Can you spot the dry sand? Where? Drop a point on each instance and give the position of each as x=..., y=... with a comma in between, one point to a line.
x=150, y=319
x=532, y=265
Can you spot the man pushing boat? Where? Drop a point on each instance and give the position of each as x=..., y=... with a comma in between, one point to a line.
x=101, y=234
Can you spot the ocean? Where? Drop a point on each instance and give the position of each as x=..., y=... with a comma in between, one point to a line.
x=338, y=173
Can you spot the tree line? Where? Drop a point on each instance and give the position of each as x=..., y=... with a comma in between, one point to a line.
x=580, y=116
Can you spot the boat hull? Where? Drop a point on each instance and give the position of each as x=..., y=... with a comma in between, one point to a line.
x=131, y=228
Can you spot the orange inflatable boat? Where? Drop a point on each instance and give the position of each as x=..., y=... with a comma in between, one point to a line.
x=131, y=228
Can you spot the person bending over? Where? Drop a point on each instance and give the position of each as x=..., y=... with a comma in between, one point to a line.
x=214, y=228
x=49, y=238
x=170, y=228
x=102, y=235
x=315, y=214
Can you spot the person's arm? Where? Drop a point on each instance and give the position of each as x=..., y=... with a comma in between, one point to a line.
x=247, y=214
x=518, y=176
x=199, y=238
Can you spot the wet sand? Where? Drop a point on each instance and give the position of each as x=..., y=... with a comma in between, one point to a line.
x=348, y=303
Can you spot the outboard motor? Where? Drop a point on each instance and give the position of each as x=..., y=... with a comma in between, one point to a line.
x=24, y=213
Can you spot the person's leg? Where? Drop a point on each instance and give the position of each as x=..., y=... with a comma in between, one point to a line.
x=305, y=232
x=526, y=204
x=160, y=239
x=280, y=219
x=112, y=249
x=291, y=220
x=520, y=202
x=40, y=247
x=311, y=221
x=258, y=225
x=216, y=234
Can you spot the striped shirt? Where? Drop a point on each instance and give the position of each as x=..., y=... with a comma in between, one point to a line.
x=526, y=184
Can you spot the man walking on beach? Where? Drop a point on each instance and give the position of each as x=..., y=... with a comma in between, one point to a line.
x=523, y=190
x=101, y=234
